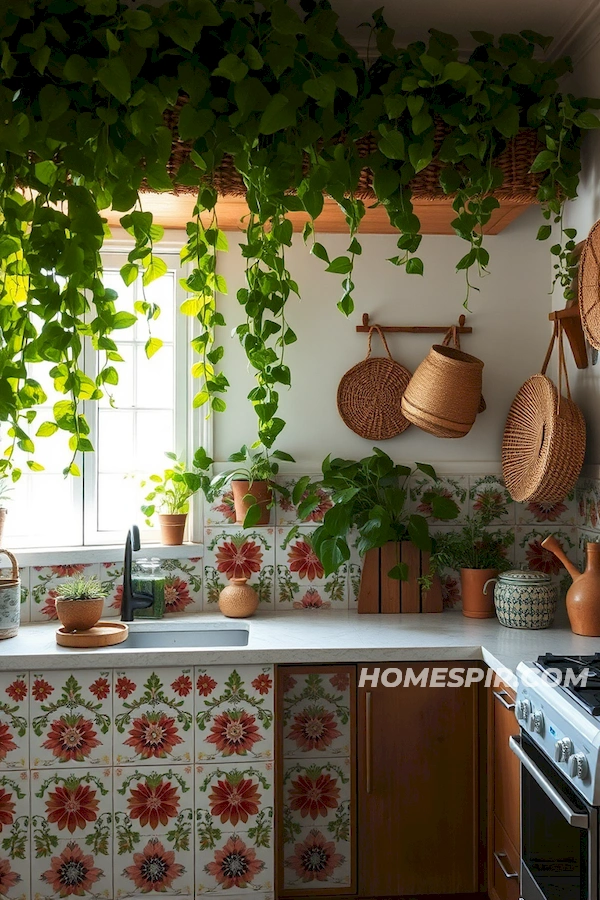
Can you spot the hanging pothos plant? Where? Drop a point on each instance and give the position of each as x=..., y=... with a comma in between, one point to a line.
x=88, y=89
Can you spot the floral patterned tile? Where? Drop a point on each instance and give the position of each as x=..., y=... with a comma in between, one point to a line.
x=315, y=859
x=70, y=719
x=488, y=496
x=231, y=796
x=71, y=822
x=316, y=793
x=111, y=578
x=235, y=862
x=455, y=487
x=234, y=713
x=529, y=553
x=588, y=503
x=564, y=512
x=14, y=719
x=301, y=582
x=43, y=581
x=153, y=716
x=451, y=589
x=154, y=830
x=234, y=553
x=183, y=585
x=25, y=612
x=14, y=836
x=221, y=511
x=287, y=512
x=316, y=714
x=585, y=537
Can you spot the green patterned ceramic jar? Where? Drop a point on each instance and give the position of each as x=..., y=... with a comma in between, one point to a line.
x=524, y=599
x=10, y=600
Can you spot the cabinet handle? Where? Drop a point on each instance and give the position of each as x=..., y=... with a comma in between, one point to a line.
x=500, y=695
x=368, y=741
x=500, y=857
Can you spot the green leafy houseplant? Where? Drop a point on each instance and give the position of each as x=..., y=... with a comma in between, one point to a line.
x=473, y=546
x=90, y=93
x=81, y=588
x=253, y=483
x=79, y=603
x=172, y=491
x=368, y=496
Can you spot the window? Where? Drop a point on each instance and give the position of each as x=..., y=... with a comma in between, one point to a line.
x=147, y=415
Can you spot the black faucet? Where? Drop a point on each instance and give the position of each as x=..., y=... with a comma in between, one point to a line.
x=132, y=599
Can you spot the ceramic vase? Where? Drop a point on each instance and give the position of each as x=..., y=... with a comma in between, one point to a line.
x=238, y=600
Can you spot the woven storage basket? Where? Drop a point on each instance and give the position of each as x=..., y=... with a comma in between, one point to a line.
x=515, y=161
x=589, y=286
x=10, y=600
x=544, y=437
x=370, y=393
x=444, y=395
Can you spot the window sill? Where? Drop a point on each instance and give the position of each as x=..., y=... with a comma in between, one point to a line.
x=46, y=556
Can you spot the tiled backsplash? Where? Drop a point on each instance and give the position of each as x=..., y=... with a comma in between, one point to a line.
x=289, y=576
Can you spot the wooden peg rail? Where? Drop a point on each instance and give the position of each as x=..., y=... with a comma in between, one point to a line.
x=416, y=329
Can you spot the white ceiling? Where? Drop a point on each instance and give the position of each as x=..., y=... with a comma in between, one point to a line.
x=566, y=20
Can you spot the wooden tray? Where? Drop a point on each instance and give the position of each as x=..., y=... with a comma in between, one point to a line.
x=101, y=635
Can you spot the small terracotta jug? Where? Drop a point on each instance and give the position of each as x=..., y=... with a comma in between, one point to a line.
x=583, y=597
x=476, y=602
x=238, y=600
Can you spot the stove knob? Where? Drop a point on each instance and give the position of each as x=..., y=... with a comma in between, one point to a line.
x=523, y=710
x=578, y=766
x=536, y=721
x=563, y=750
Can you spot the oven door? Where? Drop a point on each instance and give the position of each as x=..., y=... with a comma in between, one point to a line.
x=559, y=832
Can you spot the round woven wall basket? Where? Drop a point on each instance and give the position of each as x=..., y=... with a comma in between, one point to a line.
x=544, y=438
x=370, y=393
x=589, y=286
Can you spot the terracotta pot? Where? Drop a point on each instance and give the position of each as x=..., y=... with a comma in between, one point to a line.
x=238, y=600
x=3, y=512
x=79, y=615
x=172, y=528
x=583, y=597
x=262, y=493
x=477, y=604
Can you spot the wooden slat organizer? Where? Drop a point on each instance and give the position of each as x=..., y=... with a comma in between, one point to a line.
x=380, y=594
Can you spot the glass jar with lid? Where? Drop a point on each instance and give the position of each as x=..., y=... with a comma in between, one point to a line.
x=148, y=577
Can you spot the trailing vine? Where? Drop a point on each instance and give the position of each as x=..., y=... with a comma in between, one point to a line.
x=91, y=92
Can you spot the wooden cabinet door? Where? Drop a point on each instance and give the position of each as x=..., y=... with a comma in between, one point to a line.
x=506, y=798
x=418, y=774
x=316, y=762
x=504, y=866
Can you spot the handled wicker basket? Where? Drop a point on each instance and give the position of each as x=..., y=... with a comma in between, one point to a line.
x=370, y=393
x=444, y=395
x=544, y=437
x=10, y=600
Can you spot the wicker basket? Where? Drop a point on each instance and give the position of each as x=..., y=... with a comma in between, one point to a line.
x=444, y=395
x=589, y=286
x=515, y=161
x=370, y=393
x=10, y=600
x=544, y=437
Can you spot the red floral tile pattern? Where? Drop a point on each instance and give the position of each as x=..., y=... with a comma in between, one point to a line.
x=316, y=716
x=153, y=718
x=234, y=713
x=71, y=717
x=233, y=553
x=14, y=724
x=43, y=581
x=15, y=840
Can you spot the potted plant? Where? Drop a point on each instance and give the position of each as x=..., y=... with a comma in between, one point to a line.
x=79, y=602
x=478, y=554
x=171, y=493
x=252, y=483
x=370, y=496
x=5, y=490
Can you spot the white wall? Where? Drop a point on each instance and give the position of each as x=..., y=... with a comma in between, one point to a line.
x=509, y=318
x=582, y=214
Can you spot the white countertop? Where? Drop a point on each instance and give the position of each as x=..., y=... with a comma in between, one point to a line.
x=325, y=637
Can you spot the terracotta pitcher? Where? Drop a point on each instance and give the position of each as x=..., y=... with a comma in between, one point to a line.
x=583, y=597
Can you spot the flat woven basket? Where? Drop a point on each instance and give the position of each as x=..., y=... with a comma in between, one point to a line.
x=520, y=185
x=370, y=393
x=589, y=286
x=544, y=437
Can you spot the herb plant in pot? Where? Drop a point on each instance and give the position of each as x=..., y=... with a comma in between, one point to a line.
x=479, y=554
x=252, y=483
x=369, y=497
x=79, y=603
x=171, y=493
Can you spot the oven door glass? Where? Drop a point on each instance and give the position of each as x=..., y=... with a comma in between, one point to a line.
x=559, y=857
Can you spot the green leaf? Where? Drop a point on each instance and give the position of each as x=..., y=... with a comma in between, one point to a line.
x=40, y=59
x=123, y=320
x=156, y=269
x=426, y=469
x=231, y=67
x=543, y=161
x=153, y=345
x=320, y=252
x=137, y=19
x=587, y=120
x=47, y=429
x=253, y=514
x=544, y=232
x=418, y=532
x=391, y=144
x=444, y=508
x=414, y=266
x=115, y=77
x=399, y=572
x=279, y=114
x=129, y=273
x=507, y=122
x=341, y=265
x=455, y=71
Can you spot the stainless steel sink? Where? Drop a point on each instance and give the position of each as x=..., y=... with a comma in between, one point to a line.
x=185, y=635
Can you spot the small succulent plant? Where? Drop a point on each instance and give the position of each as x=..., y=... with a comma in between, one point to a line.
x=80, y=588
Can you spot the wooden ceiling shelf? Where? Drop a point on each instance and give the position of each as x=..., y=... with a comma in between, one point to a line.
x=175, y=210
